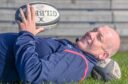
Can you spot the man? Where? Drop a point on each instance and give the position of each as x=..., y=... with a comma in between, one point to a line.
x=63, y=61
x=46, y=59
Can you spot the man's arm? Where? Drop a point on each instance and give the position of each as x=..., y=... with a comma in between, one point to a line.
x=61, y=66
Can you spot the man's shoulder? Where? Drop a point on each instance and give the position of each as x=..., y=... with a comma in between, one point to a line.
x=8, y=34
x=8, y=38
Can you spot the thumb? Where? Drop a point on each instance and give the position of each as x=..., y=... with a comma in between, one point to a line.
x=18, y=22
x=40, y=30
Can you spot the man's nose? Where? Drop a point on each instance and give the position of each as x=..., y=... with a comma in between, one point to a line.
x=93, y=35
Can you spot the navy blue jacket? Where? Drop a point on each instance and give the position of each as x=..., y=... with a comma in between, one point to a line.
x=40, y=59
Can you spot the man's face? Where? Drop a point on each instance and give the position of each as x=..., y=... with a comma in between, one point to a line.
x=96, y=41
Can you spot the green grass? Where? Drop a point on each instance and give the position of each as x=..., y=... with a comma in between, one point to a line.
x=122, y=59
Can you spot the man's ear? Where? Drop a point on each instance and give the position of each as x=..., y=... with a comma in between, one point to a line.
x=103, y=56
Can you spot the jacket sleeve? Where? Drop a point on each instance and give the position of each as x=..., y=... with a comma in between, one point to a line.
x=60, y=67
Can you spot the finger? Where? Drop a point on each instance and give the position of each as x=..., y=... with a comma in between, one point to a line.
x=28, y=12
x=22, y=15
x=18, y=22
x=40, y=30
x=33, y=13
x=21, y=26
x=39, y=27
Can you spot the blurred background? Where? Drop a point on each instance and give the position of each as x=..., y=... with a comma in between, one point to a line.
x=77, y=17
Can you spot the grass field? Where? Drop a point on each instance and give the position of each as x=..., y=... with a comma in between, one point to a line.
x=122, y=59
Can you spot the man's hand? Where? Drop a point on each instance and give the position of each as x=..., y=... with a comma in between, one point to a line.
x=28, y=21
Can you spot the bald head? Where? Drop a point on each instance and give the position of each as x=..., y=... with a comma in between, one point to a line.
x=112, y=39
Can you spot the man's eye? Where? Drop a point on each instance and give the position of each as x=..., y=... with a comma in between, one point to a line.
x=99, y=37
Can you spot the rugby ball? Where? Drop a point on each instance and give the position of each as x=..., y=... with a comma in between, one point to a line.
x=46, y=14
x=109, y=69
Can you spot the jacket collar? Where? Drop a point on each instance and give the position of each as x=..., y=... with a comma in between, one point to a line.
x=90, y=57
